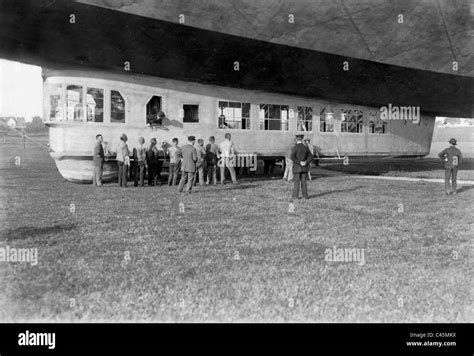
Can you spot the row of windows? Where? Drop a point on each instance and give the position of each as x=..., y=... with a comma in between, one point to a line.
x=233, y=115
x=94, y=104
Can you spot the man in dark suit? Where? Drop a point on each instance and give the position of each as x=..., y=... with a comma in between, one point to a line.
x=212, y=151
x=452, y=159
x=98, y=161
x=152, y=160
x=189, y=155
x=301, y=157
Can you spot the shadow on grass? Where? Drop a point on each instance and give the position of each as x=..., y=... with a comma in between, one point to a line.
x=465, y=188
x=335, y=191
x=29, y=231
x=380, y=166
x=226, y=187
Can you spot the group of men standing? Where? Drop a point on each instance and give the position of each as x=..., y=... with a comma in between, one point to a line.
x=300, y=156
x=195, y=163
x=200, y=163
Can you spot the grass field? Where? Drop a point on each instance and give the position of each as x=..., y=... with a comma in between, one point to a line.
x=235, y=253
x=404, y=167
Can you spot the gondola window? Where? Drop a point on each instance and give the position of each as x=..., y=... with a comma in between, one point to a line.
x=153, y=107
x=74, y=103
x=305, y=118
x=191, y=113
x=274, y=117
x=352, y=121
x=376, y=125
x=326, y=120
x=95, y=105
x=117, y=107
x=234, y=115
x=56, y=103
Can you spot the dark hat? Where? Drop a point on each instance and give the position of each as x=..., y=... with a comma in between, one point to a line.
x=191, y=138
x=300, y=137
x=453, y=141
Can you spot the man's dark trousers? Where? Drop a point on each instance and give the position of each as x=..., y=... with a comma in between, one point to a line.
x=152, y=173
x=188, y=179
x=300, y=179
x=139, y=174
x=174, y=169
x=450, y=174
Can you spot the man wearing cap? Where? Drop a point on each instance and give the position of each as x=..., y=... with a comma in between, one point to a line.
x=189, y=155
x=301, y=157
x=452, y=159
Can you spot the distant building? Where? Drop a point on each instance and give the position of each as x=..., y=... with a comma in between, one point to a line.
x=12, y=122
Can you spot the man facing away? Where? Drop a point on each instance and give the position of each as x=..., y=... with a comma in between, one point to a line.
x=201, y=162
x=141, y=163
x=98, y=161
x=175, y=161
x=190, y=158
x=212, y=151
x=123, y=161
x=227, y=159
x=301, y=157
x=452, y=159
x=152, y=160
x=161, y=154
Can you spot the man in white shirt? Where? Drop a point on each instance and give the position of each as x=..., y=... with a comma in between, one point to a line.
x=123, y=161
x=289, y=163
x=227, y=158
x=175, y=162
x=140, y=164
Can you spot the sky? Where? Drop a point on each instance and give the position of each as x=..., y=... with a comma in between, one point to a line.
x=21, y=90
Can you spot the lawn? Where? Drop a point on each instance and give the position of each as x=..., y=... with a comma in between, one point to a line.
x=403, y=167
x=231, y=253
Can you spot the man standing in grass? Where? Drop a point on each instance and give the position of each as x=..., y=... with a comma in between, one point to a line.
x=452, y=159
x=227, y=158
x=289, y=163
x=201, y=163
x=123, y=161
x=140, y=163
x=301, y=157
x=175, y=158
x=189, y=165
x=152, y=160
x=98, y=161
x=308, y=144
x=212, y=151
